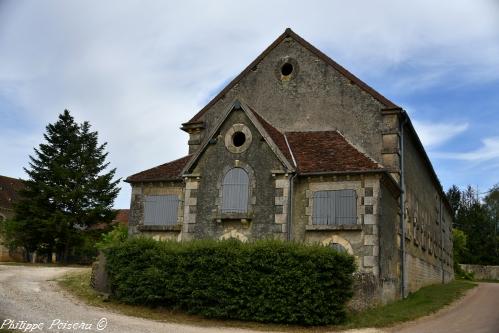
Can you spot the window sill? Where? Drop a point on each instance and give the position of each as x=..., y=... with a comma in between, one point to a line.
x=173, y=227
x=321, y=227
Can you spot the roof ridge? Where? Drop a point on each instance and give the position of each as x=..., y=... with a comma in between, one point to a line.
x=290, y=33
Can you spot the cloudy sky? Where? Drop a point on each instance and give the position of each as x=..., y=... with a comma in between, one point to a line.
x=137, y=69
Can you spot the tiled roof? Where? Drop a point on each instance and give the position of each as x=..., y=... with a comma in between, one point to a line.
x=122, y=216
x=289, y=33
x=9, y=191
x=165, y=172
x=275, y=135
x=327, y=151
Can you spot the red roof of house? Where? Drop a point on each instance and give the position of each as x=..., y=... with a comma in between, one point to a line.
x=327, y=151
x=275, y=135
x=170, y=171
x=122, y=216
x=9, y=191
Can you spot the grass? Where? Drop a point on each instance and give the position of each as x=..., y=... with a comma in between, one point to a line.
x=425, y=301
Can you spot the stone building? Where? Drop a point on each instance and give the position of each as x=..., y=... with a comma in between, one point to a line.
x=9, y=188
x=298, y=148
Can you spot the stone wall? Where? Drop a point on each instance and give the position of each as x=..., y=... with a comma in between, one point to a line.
x=481, y=272
x=315, y=97
x=268, y=188
x=361, y=239
x=428, y=223
x=136, y=217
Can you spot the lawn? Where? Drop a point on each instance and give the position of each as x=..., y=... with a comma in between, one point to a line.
x=425, y=301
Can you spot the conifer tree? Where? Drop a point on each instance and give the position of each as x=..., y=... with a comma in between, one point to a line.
x=68, y=189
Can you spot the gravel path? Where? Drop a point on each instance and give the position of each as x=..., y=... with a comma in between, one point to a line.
x=30, y=294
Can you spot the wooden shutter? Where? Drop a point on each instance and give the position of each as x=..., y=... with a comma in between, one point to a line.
x=160, y=209
x=235, y=190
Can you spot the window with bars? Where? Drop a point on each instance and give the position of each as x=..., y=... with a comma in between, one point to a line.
x=160, y=209
x=335, y=207
x=235, y=191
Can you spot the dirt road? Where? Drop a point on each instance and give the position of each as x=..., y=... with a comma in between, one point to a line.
x=29, y=294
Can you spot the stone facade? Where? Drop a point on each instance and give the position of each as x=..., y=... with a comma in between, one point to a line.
x=317, y=129
x=9, y=188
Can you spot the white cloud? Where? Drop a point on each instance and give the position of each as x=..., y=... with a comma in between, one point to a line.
x=489, y=150
x=136, y=70
x=434, y=134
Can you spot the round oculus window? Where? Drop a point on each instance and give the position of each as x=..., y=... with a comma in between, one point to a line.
x=238, y=139
x=286, y=69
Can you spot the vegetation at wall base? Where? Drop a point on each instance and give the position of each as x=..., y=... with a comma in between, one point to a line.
x=265, y=281
x=423, y=302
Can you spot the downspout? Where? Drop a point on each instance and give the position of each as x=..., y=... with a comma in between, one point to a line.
x=289, y=220
x=441, y=241
x=290, y=206
x=402, y=208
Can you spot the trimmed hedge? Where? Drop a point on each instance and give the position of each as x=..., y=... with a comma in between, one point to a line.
x=266, y=281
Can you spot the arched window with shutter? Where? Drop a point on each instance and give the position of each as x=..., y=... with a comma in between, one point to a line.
x=235, y=191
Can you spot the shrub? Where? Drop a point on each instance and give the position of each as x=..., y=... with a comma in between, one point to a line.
x=266, y=281
x=117, y=235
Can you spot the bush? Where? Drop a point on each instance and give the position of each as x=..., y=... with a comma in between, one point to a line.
x=116, y=236
x=266, y=281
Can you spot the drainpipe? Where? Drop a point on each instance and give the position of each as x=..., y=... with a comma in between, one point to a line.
x=290, y=206
x=441, y=241
x=402, y=207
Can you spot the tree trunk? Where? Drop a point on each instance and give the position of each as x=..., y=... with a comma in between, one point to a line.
x=65, y=256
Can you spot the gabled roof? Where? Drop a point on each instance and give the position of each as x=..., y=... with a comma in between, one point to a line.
x=9, y=191
x=327, y=151
x=289, y=33
x=171, y=171
x=271, y=135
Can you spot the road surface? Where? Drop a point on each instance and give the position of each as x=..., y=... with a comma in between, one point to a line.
x=29, y=295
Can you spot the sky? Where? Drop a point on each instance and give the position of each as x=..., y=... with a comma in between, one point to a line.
x=136, y=70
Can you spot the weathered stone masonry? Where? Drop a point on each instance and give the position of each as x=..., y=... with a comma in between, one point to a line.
x=308, y=153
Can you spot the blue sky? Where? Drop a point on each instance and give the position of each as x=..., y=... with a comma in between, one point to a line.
x=137, y=69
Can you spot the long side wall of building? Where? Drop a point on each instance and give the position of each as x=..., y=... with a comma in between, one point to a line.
x=428, y=223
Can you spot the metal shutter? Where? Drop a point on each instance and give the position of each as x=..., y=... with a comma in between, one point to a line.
x=335, y=207
x=160, y=209
x=235, y=191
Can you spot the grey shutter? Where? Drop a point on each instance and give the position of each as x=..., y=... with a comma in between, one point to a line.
x=160, y=209
x=235, y=189
x=335, y=207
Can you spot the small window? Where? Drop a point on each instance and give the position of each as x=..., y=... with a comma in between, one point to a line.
x=238, y=139
x=286, y=69
x=235, y=191
x=160, y=209
x=335, y=207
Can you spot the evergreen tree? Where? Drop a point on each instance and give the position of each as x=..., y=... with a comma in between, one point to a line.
x=68, y=189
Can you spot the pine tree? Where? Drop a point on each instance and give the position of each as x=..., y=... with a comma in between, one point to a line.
x=68, y=189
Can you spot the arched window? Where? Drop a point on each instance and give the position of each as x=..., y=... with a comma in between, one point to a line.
x=235, y=191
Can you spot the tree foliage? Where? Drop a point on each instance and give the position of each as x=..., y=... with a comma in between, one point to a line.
x=68, y=189
x=475, y=222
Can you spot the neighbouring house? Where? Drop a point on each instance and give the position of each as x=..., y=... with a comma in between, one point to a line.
x=9, y=195
x=298, y=148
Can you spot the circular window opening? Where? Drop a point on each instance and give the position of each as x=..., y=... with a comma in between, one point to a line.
x=286, y=69
x=238, y=139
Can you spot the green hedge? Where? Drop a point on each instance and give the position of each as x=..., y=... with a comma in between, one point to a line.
x=266, y=281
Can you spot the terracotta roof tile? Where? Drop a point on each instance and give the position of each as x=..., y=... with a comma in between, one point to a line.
x=122, y=216
x=275, y=135
x=327, y=151
x=9, y=191
x=165, y=172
